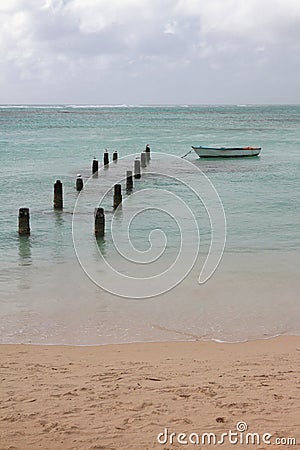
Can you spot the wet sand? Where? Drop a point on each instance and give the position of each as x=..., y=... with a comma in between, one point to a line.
x=123, y=396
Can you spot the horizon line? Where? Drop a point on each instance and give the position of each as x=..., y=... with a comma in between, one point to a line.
x=146, y=104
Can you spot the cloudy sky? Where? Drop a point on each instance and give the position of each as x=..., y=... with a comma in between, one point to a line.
x=150, y=51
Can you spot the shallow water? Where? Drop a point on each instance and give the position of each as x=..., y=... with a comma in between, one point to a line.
x=45, y=295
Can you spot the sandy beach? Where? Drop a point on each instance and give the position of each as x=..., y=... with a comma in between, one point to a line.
x=126, y=396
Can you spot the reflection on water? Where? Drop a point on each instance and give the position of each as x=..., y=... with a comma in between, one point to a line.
x=230, y=165
x=59, y=218
x=101, y=246
x=59, y=237
x=25, y=250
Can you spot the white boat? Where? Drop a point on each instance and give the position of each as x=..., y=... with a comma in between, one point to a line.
x=209, y=152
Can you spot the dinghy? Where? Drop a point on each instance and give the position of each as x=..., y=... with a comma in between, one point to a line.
x=209, y=152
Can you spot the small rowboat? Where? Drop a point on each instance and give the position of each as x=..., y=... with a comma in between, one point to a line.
x=208, y=152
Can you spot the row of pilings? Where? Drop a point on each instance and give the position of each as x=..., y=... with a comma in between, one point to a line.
x=99, y=213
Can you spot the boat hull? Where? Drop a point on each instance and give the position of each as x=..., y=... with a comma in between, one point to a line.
x=207, y=152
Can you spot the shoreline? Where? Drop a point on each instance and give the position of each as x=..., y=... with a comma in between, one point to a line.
x=166, y=341
x=248, y=298
x=119, y=396
x=197, y=341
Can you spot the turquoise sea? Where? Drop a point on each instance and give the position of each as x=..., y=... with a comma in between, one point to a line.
x=45, y=295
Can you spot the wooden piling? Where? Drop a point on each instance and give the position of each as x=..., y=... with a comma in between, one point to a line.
x=79, y=183
x=143, y=159
x=137, y=168
x=58, y=195
x=129, y=180
x=115, y=156
x=106, y=159
x=95, y=166
x=117, y=195
x=24, y=222
x=147, y=153
x=99, y=222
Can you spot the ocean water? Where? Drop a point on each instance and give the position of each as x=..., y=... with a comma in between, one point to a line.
x=47, y=297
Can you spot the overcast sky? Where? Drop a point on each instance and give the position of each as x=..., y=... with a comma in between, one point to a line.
x=150, y=51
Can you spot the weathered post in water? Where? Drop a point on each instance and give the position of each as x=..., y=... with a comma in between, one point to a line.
x=115, y=156
x=79, y=183
x=95, y=166
x=99, y=222
x=117, y=195
x=129, y=180
x=106, y=159
x=58, y=195
x=137, y=168
x=24, y=222
x=148, y=153
x=143, y=159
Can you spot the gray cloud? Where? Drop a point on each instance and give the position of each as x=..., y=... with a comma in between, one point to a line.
x=149, y=51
